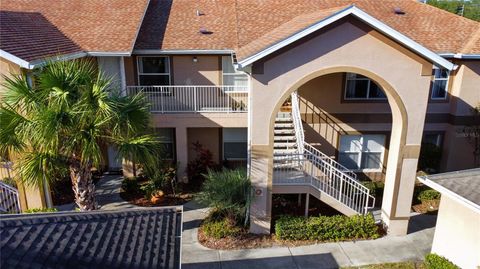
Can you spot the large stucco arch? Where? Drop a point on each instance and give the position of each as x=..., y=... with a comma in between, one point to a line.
x=403, y=75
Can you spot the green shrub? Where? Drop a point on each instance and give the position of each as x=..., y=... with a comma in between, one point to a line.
x=220, y=228
x=375, y=187
x=434, y=261
x=130, y=185
x=324, y=228
x=228, y=192
x=40, y=210
x=429, y=194
x=162, y=178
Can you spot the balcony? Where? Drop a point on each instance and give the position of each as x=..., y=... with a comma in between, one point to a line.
x=194, y=99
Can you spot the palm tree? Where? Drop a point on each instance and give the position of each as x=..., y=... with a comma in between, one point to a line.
x=63, y=119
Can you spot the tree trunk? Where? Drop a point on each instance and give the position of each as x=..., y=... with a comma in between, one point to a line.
x=83, y=186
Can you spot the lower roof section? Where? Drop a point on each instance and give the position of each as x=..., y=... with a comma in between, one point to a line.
x=138, y=238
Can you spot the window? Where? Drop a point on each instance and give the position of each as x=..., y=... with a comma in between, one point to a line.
x=232, y=77
x=439, y=83
x=433, y=139
x=235, y=143
x=153, y=71
x=362, y=152
x=358, y=87
x=166, y=137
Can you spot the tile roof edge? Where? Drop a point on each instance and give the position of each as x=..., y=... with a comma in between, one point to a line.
x=366, y=18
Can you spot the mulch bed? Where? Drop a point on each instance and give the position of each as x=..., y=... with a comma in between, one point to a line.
x=427, y=207
x=249, y=241
x=169, y=200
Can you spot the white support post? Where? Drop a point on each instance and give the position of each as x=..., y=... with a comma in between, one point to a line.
x=307, y=204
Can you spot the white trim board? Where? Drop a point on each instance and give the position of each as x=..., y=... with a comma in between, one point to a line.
x=363, y=16
x=449, y=193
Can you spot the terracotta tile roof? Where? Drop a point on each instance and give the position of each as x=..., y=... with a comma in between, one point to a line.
x=134, y=238
x=173, y=24
x=35, y=29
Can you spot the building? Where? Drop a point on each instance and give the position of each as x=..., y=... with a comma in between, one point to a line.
x=457, y=235
x=366, y=83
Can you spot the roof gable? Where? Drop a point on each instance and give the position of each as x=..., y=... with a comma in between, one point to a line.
x=280, y=37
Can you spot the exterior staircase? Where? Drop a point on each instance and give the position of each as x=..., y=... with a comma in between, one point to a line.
x=284, y=141
x=299, y=167
x=9, y=199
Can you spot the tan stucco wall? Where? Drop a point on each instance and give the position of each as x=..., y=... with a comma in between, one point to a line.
x=209, y=138
x=6, y=69
x=457, y=234
x=206, y=71
x=345, y=48
x=465, y=92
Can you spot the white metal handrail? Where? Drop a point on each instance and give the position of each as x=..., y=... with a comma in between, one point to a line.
x=313, y=170
x=300, y=136
x=9, y=199
x=297, y=123
x=193, y=99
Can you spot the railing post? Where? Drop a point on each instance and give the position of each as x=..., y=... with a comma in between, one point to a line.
x=340, y=189
x=162, y=95
x=367, y=198
x=195, y=99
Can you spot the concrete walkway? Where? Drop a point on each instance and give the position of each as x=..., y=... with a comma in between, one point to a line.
x=107, y=192
x=412, y=247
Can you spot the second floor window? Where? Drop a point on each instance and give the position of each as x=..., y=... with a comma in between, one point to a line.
x=153, y=70
x=439, y=84
x=358, y=87
x=232, y=77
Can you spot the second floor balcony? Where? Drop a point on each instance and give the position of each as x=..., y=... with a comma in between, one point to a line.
x=194, y=99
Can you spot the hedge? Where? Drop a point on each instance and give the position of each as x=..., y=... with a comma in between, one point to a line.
x=40, y=210
x=220, y=228
x=426, y=195
x=434, y=261
x=325, y=228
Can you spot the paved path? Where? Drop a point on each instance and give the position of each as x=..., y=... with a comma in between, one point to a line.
x=412, y=247
x=107, y=192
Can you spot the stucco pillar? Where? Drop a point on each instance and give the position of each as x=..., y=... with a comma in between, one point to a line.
x=404, y=151
x=181, y=141
x=260, y=172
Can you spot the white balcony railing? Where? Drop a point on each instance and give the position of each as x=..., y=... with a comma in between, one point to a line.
x=181, y=99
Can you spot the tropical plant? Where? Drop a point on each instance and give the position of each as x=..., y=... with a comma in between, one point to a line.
x=63, y=117
x=228, y=193
x=198, y=167
x=161, y=177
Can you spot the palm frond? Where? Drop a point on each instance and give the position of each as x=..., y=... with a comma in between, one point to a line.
x=34, y=168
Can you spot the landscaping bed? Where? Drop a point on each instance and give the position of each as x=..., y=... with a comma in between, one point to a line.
x=133, y=193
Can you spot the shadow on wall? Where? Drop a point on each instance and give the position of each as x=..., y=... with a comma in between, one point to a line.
x=325, y=260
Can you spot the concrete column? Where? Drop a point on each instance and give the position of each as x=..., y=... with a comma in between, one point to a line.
x=260, y=173
x=181, y=141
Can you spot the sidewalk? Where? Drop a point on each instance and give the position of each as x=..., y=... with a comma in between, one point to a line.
x=107, y=192
x=388, y=249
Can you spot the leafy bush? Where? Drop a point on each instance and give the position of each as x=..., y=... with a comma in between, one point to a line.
x=375, y=187
x=434, y=261
x=162, y=178
x=130, y=185
x=220, y=228
x=429, y=194
x=197, y=168
x=10, y=182
x=323, y=228
x=40, y=210
x=228, y=192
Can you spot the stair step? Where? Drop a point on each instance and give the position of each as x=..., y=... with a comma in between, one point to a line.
x=284, y=126
x=282, y=138
x=284, y=151
x=283, y=120
x=283, y=131
x=284, y=144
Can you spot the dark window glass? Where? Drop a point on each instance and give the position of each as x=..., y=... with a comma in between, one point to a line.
x=376, y=92
x=151, y=80
x=357, y=88
x=439, y=89
x=154, y=65
x=235, y=150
